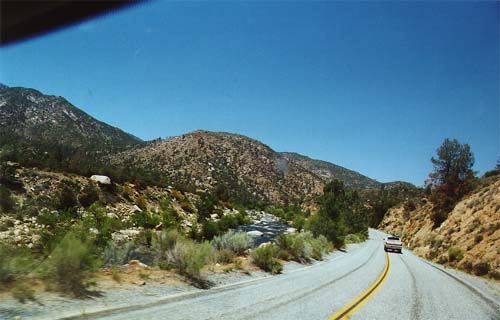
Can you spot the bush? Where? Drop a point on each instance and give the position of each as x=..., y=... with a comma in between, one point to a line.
x=293, y=247
x=320, y=246
x=265, y=258
x=66, y=198
x=209, y=229
x=478, y=238
x=225, y=256
x=14, y=263
x=7, y=202
x=237, y=242
x=188, y=257
x=141, y=202
x=69, y=264
x=22, y=293
x=88, y=196
x=145, y=219
x=481, y=268
x=455, y=254
x=115, y=254
x=162, y=243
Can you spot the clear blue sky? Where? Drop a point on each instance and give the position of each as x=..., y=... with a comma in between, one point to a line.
x=372, y=86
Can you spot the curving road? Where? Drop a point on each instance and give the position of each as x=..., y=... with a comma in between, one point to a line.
x=412, y=289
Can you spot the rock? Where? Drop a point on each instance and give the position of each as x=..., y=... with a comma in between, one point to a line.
x=93, y=230
x=265, y=244
x=291, y=230
x=255, y=233
x=101, y=179
x=140, y=282
x=137, y=263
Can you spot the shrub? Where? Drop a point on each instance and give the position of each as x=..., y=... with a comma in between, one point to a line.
x=66, y=198
x=22, y=293
x=145, y=219
x=14, y=263
x=115, y=254
x=293, y=247
x=188, y=257
x=162, y=243
x=68, y=265
x=265, y=258
x=88, y=196
x=320, y=246
x=478, y=238
x=481, y=268
x=455, y=254
x=237, y=242
x=7, y=202
x=141, y=202
x=209, y=229
x=187, y=206
x=225, y=256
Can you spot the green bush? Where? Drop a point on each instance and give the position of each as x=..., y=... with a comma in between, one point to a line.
x=237, y=242
x=68, y=265
x=162, y=243
x=188, y=257
x=320, y=245
x=209, y=229
x=455, y=254
x=293, y=247
x=14, y=263
x=22, y=293
x=265, y=258
x=145, y=219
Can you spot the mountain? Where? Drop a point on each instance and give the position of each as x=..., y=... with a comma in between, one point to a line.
x=468, y=239
x=204, y=160
x=329, y=171
x=28, y=116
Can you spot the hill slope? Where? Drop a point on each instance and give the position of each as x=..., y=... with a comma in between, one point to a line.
x=28, y=116
x=472, y=230
x=329, y=171
x=203, y=160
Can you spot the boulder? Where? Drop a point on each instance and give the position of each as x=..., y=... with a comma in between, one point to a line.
x=255, y=233
x=101, y=179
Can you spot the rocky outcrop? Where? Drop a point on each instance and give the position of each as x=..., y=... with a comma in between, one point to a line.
x=468, y=239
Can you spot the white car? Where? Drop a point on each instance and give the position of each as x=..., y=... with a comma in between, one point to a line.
x=393, y=243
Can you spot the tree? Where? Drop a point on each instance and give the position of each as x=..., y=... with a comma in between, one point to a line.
x=7, y=203
x=452, y=177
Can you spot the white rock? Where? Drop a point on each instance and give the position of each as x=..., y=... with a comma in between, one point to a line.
x=101, y=179
x=93, y=230
x=291, y=230
x=255, y=233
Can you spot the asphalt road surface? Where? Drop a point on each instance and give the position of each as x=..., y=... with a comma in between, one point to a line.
x=396, y=286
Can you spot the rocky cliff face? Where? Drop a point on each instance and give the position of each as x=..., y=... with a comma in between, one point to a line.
x=468, y=239
x=206, y=159
x=31, y=117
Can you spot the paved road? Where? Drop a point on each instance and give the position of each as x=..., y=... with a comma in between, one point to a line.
x=413, y=289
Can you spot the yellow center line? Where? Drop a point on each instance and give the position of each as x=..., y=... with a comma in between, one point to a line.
x=357, y=303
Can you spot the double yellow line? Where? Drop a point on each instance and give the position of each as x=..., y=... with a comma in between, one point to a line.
x=352, y=307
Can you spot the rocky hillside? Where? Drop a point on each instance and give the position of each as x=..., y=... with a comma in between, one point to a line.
x=468, y=239
x=329, y=171
x=31, y=117
x=203, y=160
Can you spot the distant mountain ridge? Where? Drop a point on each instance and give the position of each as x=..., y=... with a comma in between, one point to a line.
x=329, y=171
x=199, y=160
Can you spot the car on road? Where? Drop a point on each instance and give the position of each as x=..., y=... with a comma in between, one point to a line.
x=393, y=243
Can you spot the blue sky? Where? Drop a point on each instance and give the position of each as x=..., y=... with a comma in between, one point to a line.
x=372, y=86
